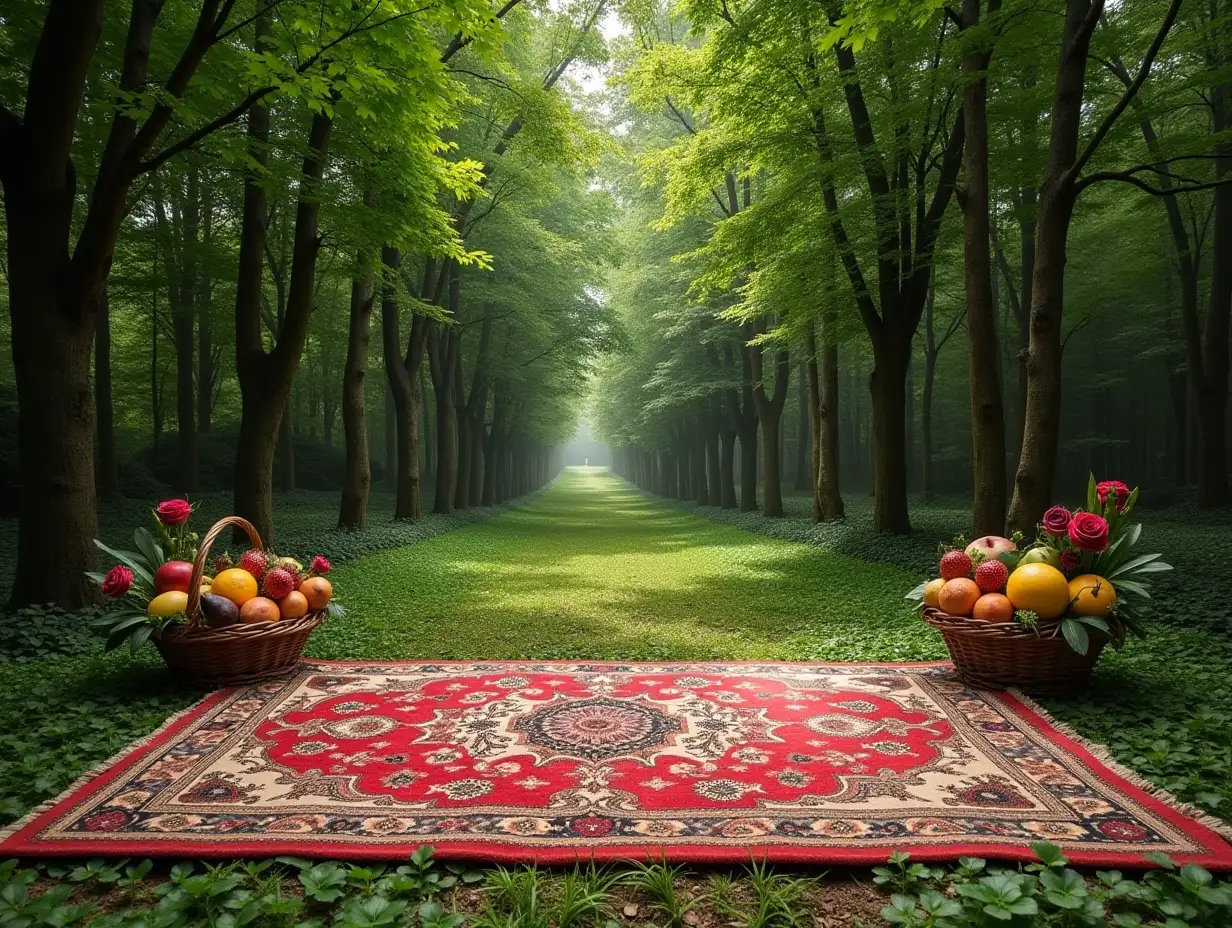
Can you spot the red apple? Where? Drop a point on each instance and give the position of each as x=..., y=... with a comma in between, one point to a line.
x=989, y=547
x=174, y=575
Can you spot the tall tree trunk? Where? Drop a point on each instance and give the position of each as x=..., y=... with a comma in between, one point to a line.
x=156, y=392
x=887, y=385
x=206, y=374
x=804, y=476
x=823, y=408
x=462, y=479
x=108, y=472
x=55, y=430
x=927, y=487
x=443, y=351
x=265, y=379
x=183, y=323
x=179, y=262
x=358, y=479
x=987, y=412
x=391, y=430
x=1211, y=389
x=429, y=431
x=402, y=377
x=727, y=461
x=51, y=338
x=769, y=413
x=697, y=454
x=714, y=476
x=1037, y=462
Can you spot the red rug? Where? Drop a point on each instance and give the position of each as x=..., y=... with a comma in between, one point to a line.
x=828, y=764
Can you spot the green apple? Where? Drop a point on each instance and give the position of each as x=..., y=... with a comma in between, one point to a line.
x=1041, y=555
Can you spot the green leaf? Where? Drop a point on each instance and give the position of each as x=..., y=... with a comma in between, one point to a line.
x=1132, y=564
x=1133, y=586
x=1076, y=634
x=148, y=545
x=130, y=559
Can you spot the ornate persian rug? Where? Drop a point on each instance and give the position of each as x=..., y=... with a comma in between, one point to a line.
x=832, y=764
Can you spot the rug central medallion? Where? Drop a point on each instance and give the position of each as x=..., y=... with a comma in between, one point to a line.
x=598, y=729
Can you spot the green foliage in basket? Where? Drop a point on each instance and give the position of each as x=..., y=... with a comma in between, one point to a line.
x=131, y=584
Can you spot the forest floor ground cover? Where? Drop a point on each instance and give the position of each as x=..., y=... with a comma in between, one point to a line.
x=595, y=569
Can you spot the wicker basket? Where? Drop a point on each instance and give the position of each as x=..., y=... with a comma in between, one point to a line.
x=1001, y=655
x=242, y=653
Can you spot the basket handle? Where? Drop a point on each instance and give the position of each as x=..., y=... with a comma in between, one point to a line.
x=193, y=611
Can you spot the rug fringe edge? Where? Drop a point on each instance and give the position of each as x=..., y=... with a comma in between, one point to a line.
x=8, y=831
x=1102, y=753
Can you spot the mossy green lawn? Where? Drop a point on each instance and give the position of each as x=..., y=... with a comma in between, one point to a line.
x=592, y=569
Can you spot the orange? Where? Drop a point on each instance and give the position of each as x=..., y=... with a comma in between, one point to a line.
x=293, y=605
x=173, y=602
x=958, y=596
x=235, y=584
x=259, y=609
x=317, y=590
x=1039, y=588
x=932, y=590
x=1091, y=595
x=993, y=607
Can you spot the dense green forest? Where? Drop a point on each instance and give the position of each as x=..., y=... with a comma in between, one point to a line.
x=253, y=245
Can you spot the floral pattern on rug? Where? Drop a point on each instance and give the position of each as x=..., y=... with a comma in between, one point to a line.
x=806, y=762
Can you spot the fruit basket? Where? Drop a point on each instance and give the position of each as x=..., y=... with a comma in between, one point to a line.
x=1037, y=618
x=246, y=624
x=236, y=653
x=1005, y=655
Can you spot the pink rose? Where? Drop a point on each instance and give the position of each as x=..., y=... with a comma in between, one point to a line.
x=174, y=511
x=1056, y=520
x=117, y=582
x=1088, y=532
x=1121, y=491
x=320, y=565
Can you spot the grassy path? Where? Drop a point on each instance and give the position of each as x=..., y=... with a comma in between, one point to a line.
x=592, y=569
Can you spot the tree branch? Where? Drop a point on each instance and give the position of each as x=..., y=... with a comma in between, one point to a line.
x=1129, y=177
x=459, y=42
x=1144, y=70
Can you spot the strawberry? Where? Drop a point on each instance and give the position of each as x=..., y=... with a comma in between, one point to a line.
x=255, y=562
x=279, y=582
x=990, y=576
x=955, y=564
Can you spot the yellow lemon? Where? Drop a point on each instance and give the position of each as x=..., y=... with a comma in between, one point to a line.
x=173, y=602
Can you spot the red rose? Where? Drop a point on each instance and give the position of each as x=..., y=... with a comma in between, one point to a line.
x=1056, y=520
x=1070, y=560
x=1104, y=487
x=174, y=511
x=320, y=565
x=117, y=582
x=1088, y=532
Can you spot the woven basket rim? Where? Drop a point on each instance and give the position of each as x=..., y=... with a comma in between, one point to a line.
x=1046, y=629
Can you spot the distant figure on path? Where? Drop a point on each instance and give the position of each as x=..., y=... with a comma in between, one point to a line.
x=587, y=460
